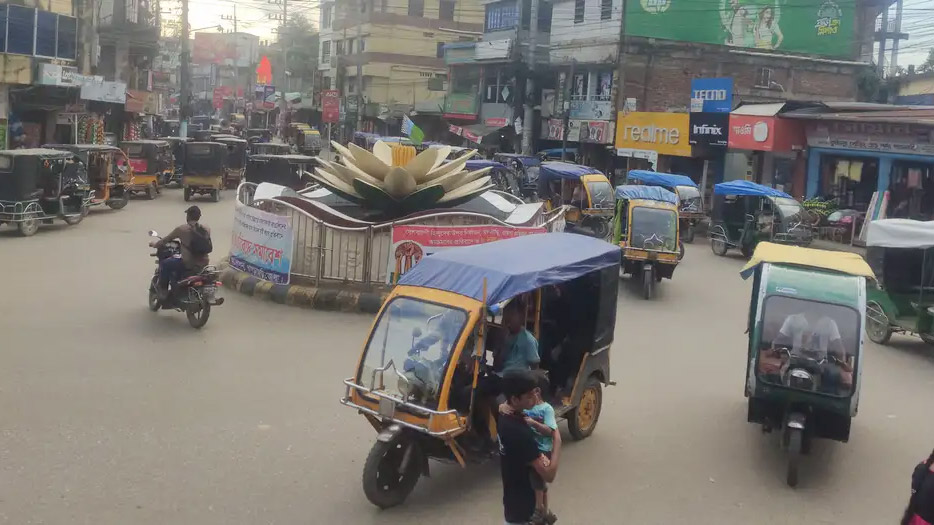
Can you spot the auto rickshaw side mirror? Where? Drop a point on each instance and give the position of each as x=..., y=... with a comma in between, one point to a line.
x=416, y=332
x=152, y=233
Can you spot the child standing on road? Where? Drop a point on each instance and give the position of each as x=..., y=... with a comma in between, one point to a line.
x=541, y=418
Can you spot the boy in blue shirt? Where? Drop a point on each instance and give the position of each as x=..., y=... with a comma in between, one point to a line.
x=541, y=418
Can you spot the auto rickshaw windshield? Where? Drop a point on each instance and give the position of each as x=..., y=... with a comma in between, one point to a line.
x=412, y=342
x=790, y=209
x=690, y=197
x=808, y=345
x=134, y=150
x=654, y=229
x=601, y=195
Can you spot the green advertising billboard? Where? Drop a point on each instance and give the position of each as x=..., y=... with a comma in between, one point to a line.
x=820, y=27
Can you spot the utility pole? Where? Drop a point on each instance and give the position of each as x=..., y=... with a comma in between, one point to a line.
x=184, y=97
x=529, y=118
x=236, y=55
x=283, y=105
x=360, y=67
x=883, y=35
x=898, y=36
x=567, y=110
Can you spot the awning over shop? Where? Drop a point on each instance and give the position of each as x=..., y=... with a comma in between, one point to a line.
x=759, y=127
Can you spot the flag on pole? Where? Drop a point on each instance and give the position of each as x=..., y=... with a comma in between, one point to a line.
x=415, y=133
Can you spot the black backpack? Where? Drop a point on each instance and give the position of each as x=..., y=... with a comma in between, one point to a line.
x=201, y=244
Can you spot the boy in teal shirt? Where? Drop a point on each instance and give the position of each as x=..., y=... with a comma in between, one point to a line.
x=541, y=418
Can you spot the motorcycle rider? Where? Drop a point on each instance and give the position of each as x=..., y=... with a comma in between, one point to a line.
x=195, y=240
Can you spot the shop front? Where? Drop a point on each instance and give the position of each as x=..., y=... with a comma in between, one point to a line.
x=766, y=149
x=850, y=161
x=590, y=140
x=657, y=141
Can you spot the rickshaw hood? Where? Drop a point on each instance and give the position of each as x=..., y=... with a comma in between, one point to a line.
x=901, y=233
x=667, y=180
x=513, y=266
x=841, y=262
x=745, y=187
x=566, y=170
x=650, y=193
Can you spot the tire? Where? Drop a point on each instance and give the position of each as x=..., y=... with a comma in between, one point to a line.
x=600, y=228
x=119, y=203
x=648, y=282
x=927, y=338
x=215, y=195
x=72, y=220
x=152, y=191
x=877, y=332
x=154, y=303
x=383, y=484
x=583, y=419
x=795, y=438
x=689, y=235
x=718, y=246
x=680, y=250
x=186, y=194
x=747, y=250
x=28, y=227
x=198, y=315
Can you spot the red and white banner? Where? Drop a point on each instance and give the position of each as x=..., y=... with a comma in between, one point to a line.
x=330, y=106
x=411, y=243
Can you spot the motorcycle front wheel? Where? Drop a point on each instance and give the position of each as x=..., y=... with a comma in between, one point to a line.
x=154, y=303
x=198, y=312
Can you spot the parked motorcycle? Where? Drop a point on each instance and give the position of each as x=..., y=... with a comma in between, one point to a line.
x=193, y=294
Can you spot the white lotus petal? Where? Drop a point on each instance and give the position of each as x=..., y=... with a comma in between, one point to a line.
x=399, y=183
x=345, y=153
x=351, y=172
x=443, y=153
x=383, y=152
x=368, y=162
x=422, y=164
x=330, y=180
x=466, y=189
x=452, y=180
x=454, y=165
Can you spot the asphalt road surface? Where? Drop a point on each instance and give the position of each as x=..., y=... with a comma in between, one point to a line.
x=110, y=413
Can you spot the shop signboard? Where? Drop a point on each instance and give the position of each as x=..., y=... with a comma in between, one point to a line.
x=553, y=129
x=460, y=105
x=591, y=109
x=135, y=101
x=664, y=133
x=710, y=129
x=330, y=106
x=56, y=75
x=104, y=91
x=261, y=244
x=496, y=122
x=457, y=130
x=871, y=136
x=715, y=94
x=221, y=93
x=589, y=131
x=821, y=27
x=765, y=133
x=412, y=243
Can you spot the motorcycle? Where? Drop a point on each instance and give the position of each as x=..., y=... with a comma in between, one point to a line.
x=193, y=294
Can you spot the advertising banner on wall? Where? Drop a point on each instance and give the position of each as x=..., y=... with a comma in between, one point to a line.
x=411, y=243
x=710, y=129
x=820, y=27
x=715, y=94
x=763, y=133
x=663, y=133
x=261, y=244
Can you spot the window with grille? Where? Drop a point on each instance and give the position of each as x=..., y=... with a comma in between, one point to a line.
x=326, y=16
x=578, y=11
x=326, y=51
x=502, y=15
x=21, y=30
x=606, y=9
x=764, y=77
x=440, y=51
x=339, y=48
x=417, y=8
x=446, y=10
x=350, y=42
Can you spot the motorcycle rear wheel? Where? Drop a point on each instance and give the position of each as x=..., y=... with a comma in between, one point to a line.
x=198, y=313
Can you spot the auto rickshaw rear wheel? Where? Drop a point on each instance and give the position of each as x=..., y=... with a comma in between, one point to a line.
x=120, y=202
x=583, y=419
x=187, y=194
x=215, y=195
x=383, y=482
x=151, y=191
x=795, y=442
x=718, y=246
x=28, y=227
x=877, y=324
x=689, y=235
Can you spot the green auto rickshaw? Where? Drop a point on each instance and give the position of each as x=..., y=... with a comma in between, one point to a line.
x=805, y=344
x=745, y=213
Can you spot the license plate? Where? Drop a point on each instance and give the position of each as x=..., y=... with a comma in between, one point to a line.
x=208, y=291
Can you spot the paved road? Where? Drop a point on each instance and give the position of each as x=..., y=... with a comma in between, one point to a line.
x=112, y=414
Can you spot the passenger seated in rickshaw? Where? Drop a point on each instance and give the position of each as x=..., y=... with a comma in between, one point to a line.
x=815, y=337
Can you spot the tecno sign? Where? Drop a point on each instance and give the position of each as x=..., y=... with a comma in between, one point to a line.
x=709, y=94
x=665, y=133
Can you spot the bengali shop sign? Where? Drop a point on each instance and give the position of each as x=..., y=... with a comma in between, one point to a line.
x=411, y=243
x=330, y=106
x=261, y=244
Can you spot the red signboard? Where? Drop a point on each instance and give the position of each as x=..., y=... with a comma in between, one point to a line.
x=496, y=122
x=220, y=93
x=765, y=133
x=457, y=130
x=330, y=106
x=139, y=165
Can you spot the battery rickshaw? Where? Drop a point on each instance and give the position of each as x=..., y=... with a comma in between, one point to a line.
x=745, y=213
x=645, y=226
x=177, y=144
x=585, y=190
x=525, y=172
x=40, y=185
x=805, y=345
x=236, y=160
x=205, y=168
x=291, y=171
x=433, y=340
x=690, y=202
x=270, y=148
x=108, y=171
x=902, y=298
x=153, y=165
x=258, y=135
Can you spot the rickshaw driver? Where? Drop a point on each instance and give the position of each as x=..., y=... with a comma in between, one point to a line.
x=821, y=341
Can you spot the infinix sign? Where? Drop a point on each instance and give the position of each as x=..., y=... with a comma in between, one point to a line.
x=710, y=129
x=664, y=133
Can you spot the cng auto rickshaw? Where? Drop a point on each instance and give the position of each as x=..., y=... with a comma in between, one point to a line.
x=205, y=168
x=40, y=185
x=308, y=142
x=805, y=344
x=902, y=299
x=177, y=144
x=153, y=165
x=417, y=379
x=270, y=148
x=690, y=202
x=745, y=213
x=525, y=171
x=258, y=135
x=585, y=190
x=645, y=227
x=108, y=172
x=291, y=171
x=236, y=160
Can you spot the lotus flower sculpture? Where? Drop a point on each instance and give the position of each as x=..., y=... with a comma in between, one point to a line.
x=372, y=181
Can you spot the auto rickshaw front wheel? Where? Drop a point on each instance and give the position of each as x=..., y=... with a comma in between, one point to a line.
x=388, y=475
x=583, y=419
x=795, y=443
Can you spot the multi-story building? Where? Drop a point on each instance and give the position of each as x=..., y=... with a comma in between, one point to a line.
x=399, y=48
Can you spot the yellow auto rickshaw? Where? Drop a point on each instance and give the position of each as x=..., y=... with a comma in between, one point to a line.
x=205, y=168
x=417, y=379
x=109, y=172
x=645, y=227
x=585, y=190
x=153, y=165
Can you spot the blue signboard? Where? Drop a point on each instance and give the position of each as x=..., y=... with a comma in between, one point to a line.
x=716, y=93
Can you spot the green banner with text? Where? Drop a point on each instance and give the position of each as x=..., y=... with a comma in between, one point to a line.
x=820, y=27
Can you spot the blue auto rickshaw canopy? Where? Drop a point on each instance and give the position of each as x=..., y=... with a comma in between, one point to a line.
x=745, y=187
x=666, y=180
x=526, y=160
x=479, y=164
x=652, y=193
x=512, y=266
x=565, y=170
x=556, y=152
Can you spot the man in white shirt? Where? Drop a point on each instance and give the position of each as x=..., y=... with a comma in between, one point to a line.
x=820, y=339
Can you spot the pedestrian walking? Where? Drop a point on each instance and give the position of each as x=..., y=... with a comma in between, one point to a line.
x=920, y=510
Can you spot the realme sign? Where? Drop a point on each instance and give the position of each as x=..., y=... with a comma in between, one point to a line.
x=664, y=133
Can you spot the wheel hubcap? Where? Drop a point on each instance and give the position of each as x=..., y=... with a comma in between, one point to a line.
x=587, y=409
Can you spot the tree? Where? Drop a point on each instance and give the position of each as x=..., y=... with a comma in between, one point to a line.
x=928, y=65
x=301, y=41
